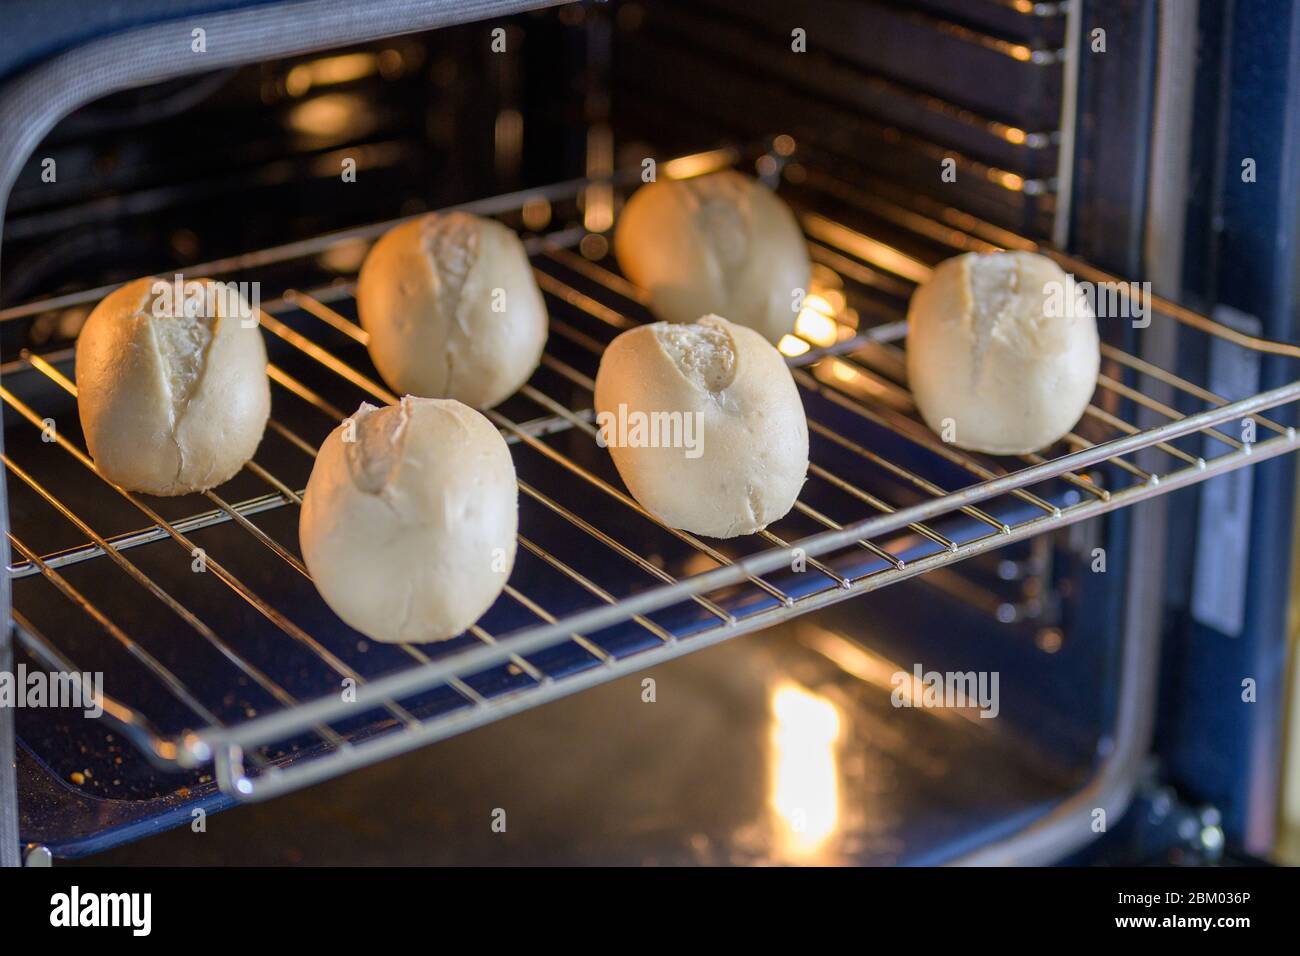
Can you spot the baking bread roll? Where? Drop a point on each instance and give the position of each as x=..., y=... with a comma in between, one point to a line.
x=1002, y=352
x=452, y=309
x=171, y=385
x=731, y=452
x=408, y=524
x=723, y=244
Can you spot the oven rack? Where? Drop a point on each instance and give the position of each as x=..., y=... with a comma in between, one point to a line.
x=846, y=360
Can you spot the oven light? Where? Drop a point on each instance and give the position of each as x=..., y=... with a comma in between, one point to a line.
x=805, y=772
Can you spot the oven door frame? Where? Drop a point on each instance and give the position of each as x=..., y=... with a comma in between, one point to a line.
x=32, y=102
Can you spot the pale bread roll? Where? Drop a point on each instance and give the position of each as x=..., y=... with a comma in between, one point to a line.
x=408, y=524
x=737, y=463
x=1002, y=351
x=723, y=244
x=172, y=400
x=452, y=309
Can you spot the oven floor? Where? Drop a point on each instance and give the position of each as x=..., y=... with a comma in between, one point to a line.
x=783, y=747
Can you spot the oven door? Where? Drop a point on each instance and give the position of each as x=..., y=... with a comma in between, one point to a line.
x=1049, y=579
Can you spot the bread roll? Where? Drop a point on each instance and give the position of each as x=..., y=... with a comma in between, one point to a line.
x=452, y=309
x=723, y=244
x=172, y=399
x=408, y=524
x=704, y=424
x=1002, y=352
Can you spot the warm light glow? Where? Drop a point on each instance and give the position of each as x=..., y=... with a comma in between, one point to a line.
x=815, y=323
x=537, y=213
x=843, y=371
x=865, y=248
x=598, y=207
x=880, y=672
x=594, y=246
x=697, y=562
x=824, y=277
x=598, y=197
x=791, y=346
x=805, y=797
x=332, y=115
x=600, y=151
x=697, y=164
x=329, y=71
x=816, y=301
x=391, y=64
x=851, y=658
x=854, y=380
x=508, y=136
x=345, y=256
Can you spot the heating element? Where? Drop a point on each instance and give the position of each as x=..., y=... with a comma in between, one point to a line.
x=222, y=652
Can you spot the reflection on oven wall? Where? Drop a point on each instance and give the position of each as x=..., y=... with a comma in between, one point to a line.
x=146, y=178
x=883, y=98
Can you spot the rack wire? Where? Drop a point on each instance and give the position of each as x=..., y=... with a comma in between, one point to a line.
x=886, y=499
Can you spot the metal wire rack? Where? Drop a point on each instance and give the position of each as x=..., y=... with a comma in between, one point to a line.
x=600, y=588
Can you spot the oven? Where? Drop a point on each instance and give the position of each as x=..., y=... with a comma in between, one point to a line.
x=640, y=694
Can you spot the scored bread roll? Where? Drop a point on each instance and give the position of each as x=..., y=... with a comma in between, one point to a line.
x=723, y=244
x=171, y=385
x=1002, y=351
x=704, y=424
x=408, y=523
x=452, y=309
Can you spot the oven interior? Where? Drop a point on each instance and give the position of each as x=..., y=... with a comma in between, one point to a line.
x=786, y=745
